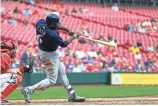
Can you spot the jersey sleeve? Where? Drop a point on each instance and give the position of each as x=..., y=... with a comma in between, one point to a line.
x=40, y=22
x=62, y=42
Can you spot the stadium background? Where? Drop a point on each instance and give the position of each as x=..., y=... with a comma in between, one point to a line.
x=98, y=64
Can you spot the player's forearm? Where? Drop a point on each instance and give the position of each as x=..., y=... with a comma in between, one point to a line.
x=61, y=27
x=67, y=42
x=71, y=39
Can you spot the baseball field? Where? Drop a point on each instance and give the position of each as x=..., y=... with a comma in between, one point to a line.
x=95, y=94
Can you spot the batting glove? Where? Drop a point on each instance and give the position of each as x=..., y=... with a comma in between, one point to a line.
x=71, y=33
x=76, y=36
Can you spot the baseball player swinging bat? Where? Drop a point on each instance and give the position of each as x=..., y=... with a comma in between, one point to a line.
x=97, y=41
x=48, y=41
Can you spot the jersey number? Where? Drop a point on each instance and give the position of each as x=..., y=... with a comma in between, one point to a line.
x=39, y=39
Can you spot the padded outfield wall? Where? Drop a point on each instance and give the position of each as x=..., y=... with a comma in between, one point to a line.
x=134, y=78
x=106, y=78
x=74, y=78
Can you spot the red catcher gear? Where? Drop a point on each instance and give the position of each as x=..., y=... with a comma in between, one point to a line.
x=8, y=47
x=5, y=62
x=10, y=87
x=8, y=50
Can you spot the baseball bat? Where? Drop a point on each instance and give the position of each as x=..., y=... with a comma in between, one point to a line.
x=99, y=41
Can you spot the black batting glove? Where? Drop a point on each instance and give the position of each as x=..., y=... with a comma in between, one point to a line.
x=71, y=33
x=76, y=36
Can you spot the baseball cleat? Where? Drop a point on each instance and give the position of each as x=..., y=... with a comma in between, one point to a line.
x=76, y=99
x=27, y=94
x=4, y=102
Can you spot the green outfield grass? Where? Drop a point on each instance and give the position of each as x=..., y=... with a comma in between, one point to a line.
x=98, y=91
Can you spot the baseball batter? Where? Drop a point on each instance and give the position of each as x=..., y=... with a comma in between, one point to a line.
x=49, y=40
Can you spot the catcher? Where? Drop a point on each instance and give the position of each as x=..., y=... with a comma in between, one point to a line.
x=10, y=78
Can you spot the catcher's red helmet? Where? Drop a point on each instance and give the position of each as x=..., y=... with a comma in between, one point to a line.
x=8, y=46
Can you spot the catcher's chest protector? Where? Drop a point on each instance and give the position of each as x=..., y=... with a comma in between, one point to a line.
x=5, y=62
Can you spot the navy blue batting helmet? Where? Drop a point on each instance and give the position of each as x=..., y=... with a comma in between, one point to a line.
x=52, y=19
